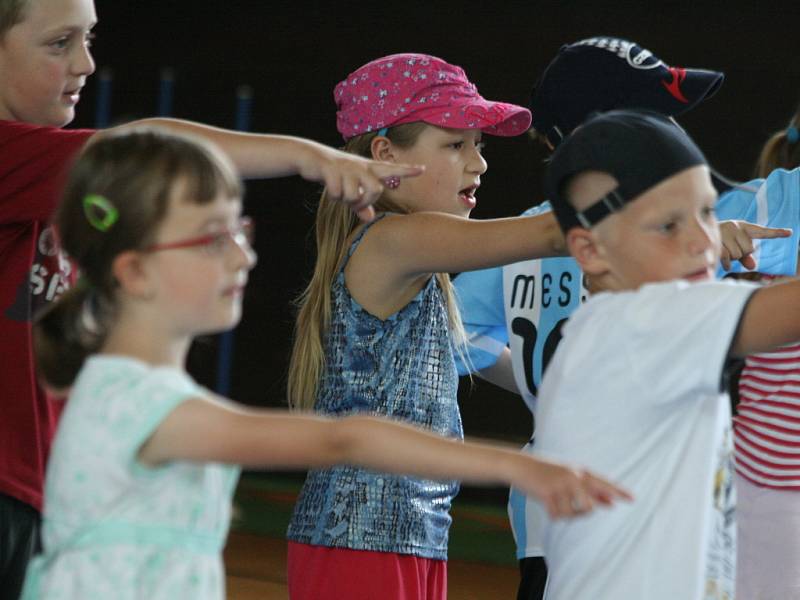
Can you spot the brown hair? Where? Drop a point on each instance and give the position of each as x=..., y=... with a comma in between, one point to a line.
x=334, y=225
x=137, y=172
x=11, y=13
x=782, y=150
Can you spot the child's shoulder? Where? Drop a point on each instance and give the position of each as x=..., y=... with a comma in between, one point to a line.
x=660, y=304
x=126, y=395
x=9, y=130
x=382, y=229
x=117, y=376
x=101, y=368
x=25, y=144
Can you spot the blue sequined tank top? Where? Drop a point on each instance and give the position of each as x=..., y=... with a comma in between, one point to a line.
x=401, y=367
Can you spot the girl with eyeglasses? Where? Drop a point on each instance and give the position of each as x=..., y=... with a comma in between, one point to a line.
x=139, y=484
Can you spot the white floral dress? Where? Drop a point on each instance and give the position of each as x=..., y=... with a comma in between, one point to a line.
x=112, y=527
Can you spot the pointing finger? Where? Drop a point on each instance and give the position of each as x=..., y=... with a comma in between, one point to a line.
x=606, y=492
x=385, y=170
x=760, y=232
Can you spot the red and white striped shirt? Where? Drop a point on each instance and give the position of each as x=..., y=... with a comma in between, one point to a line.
x=767, y=428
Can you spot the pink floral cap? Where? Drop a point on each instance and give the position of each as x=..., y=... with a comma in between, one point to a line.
x=404, y=88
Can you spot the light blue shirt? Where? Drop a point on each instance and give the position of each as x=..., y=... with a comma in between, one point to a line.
x=112, y=527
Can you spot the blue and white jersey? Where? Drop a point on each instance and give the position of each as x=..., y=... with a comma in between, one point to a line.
x=524, y=305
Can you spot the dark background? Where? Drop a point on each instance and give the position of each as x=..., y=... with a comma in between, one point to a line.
x=293, y=53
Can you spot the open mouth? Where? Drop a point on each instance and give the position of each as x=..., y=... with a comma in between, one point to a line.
x=467, y=196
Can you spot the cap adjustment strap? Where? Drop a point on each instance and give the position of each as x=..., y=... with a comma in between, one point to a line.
x=608, y=204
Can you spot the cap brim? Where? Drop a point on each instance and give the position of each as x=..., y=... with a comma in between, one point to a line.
x=700, y=85
x=493, y=118
x=516, y=121
x=675, y=97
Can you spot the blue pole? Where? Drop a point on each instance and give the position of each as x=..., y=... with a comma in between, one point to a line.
x=166, y=88
x=102, y=110
x=244, y=105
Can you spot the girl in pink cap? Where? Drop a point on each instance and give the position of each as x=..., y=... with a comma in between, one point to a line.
x=378, y=325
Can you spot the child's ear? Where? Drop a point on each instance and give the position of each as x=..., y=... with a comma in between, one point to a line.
x=587, y=251
x=382, y=149
x=129, y=271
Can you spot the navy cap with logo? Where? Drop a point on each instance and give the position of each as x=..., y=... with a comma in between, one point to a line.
x=606, y=73
x=640, y=149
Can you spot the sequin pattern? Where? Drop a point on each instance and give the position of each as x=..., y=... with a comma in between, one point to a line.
x=401, y=367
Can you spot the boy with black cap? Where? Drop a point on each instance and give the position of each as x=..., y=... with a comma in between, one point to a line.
x=514, y=314
x=636, y=388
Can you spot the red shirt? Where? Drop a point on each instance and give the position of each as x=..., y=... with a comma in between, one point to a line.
x=33, y=165
x=767, y=427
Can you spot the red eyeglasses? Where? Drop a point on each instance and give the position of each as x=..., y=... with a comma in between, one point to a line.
x=214, y=244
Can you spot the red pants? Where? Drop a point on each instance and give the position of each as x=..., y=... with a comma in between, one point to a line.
x=321, y=573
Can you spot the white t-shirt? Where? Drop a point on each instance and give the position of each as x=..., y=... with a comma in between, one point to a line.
x=634, y=392
x=523, y=305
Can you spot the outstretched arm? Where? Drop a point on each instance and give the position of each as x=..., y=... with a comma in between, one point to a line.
x=352, y=179
x=204, y=430
x=771, y=319
x=428, y=242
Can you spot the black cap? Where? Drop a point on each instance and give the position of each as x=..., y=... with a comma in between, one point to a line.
x=640, y=149
x=605, y=73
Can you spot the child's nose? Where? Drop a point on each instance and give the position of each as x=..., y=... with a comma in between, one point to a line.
x=701, y=237
x=83, y=62
x=245, y=256
x=478, y=163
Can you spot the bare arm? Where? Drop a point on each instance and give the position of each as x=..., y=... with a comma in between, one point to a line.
x=347, y=177
x=771, y=319
x=430, y=242
x=203, y=430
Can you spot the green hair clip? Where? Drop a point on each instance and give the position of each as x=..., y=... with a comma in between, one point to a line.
x=100, y=213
